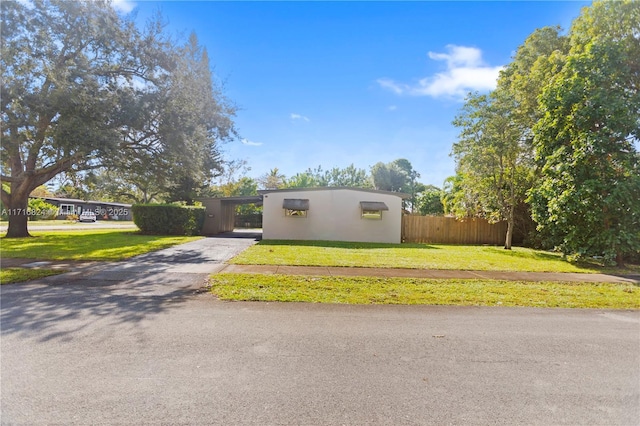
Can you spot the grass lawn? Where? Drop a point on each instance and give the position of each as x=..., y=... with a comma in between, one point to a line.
x=86, y=245
x=409, y=291
x=38, y=223
x=16, y=275
x=412, y=256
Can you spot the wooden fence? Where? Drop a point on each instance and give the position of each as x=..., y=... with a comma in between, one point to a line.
x=448, y=230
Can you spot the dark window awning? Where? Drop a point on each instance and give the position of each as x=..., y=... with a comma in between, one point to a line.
x=295, y=204
x=373, y=205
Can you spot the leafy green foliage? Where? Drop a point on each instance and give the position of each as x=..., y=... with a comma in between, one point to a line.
x=429, y=201
x=350, y=176
x=492, y=158
x=588, y=199
x=83, y=87
x=39, y=209
x=165, y=219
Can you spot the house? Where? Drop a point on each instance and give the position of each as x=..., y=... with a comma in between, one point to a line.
x=332, y=214
x=102, y=209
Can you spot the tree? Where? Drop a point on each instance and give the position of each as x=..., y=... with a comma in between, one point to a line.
x=233, y=182
x=82, y=88
x=429, y=201
x=494, y=154
x=588, y=198
x=272, y=180
x=457, y=199
x=302, y=180
x=389, y=177
x=350, y=176
x=135, y=184
x=411, y=185
x=492, y=157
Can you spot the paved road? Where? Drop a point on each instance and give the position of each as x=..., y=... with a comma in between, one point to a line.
x=137, y=343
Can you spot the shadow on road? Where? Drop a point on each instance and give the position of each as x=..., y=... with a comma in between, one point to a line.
x=48, y=310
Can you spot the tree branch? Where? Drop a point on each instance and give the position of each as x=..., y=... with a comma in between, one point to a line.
x=6, y=197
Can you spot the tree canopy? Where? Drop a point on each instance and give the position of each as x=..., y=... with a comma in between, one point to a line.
x=84, y=88
x=588, y=197
x=559, y=135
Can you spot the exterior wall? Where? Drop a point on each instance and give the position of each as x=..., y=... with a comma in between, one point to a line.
x=219, y=216
x=333, y=215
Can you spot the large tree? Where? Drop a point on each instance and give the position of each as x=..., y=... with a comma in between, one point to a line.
x=84, y=88
x=492, y=157
x=494, y=153
x=588, y=197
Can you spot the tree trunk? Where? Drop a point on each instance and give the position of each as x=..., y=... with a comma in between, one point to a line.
x=17, y=212
x=510, y=226
x=619, y=259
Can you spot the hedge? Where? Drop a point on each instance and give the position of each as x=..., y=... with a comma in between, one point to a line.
x=166, y=219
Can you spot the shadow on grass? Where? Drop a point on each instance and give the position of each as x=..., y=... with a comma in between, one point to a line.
x=345, y=244
x=528, y=254
x=96, y=245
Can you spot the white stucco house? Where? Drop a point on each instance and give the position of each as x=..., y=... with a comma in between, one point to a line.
x=332, y=214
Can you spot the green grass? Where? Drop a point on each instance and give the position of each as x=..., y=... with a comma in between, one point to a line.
x=62, y=222
x=16, y=275
x=412, y=291
x=412, y=256
x=86, y=245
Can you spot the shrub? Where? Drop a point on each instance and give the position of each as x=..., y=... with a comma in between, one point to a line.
x=39, y=209
x=165, y=219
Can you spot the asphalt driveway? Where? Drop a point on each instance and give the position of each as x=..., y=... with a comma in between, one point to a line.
x=138, y=343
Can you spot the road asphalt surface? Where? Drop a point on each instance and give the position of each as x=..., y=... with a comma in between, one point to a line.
x=140, y=342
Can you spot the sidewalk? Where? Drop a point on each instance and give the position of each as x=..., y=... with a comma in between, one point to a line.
x=429, y=273
x=204, y=265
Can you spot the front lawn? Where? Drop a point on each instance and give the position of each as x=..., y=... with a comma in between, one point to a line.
x=412, y=256
x=16, y=275
x=411, y=291
x=109, y=245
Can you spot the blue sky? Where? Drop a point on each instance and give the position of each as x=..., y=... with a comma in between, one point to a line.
x=335, y=83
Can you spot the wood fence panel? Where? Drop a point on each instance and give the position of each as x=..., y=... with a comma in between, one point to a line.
x=448, y=230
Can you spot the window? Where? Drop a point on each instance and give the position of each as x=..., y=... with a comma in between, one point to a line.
x=295, y=207
x=372, y=209
x=67, y=209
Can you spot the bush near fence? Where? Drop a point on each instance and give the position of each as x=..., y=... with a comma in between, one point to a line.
x=449, y=230
x=164, y=219
x=253, y=220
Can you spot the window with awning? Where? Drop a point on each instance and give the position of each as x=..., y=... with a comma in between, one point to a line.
x=295, y=207
x=372, y=209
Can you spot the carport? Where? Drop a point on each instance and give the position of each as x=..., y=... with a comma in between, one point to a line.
x=220, y=212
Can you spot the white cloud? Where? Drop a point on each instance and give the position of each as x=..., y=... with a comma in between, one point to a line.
x=27, y=3
x=124, y=6
x=392, y=107
x=466, y=71
x=250, y=143
x=299, y=117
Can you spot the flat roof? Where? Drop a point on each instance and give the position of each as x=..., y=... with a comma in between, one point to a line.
x=336, y=188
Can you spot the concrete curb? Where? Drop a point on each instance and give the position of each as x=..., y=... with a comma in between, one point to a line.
x=428, y=273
